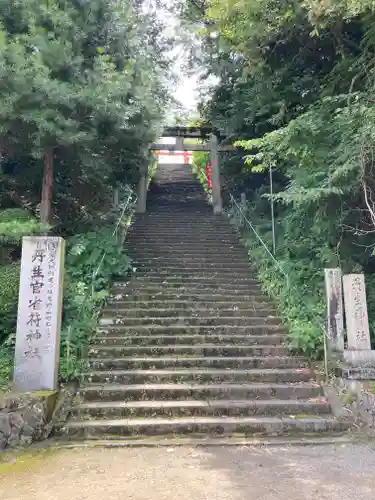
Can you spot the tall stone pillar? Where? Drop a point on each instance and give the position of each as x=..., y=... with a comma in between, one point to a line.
x=142, y=191
x=217, y=203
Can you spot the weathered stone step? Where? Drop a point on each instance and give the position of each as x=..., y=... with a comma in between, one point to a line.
x=275, y=339
x=117, y=313
x=276, y=375
x=194, y=283
x=182, y=276
x=205, y=268
x=164, y=255
x=215, y=407
x=192, y=244
x=110, y=442
x=181, y=226
x=106, y=363
x=181, y=391
x=187, y=304
x=115, y=330
x=210, y=426
x=185, y=232
x=195, y=239
x=183, y=350
x=157, y=296
x=184, y=286
x=233, y=257
x=188, y=320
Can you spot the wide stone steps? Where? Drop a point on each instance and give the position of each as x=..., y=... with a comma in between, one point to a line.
x=191, y=340
x=181, y=298
x=187, y=304
x=174, y=375
x=125, y=312
x=182, y=391
x=120, y=330
x=208, y=426
x=206, y=350
x=200, y=408
x=186, y=361
x=206, y=320
x=187, y=287
x=194, y=269
x=189, y=349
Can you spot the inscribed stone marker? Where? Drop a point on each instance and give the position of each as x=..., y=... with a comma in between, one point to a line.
x=335, y=308
x=357, y=327
x=39, y=313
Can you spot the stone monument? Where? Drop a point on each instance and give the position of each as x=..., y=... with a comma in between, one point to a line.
x=357, y=327
x=39, y=313
x=358, y=352
x=335, y=308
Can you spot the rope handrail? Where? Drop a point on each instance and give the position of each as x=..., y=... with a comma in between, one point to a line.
x=317, y=323
x=126, y=204
x=240, y=209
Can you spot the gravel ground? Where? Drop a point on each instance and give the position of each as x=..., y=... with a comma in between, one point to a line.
x=295, y=473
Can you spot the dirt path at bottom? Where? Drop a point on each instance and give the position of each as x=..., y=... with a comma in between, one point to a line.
x=309, y=473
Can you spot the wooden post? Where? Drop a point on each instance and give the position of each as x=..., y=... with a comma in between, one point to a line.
x=243, y=206
x=142, y=191
x=116, y=198
x=47, y=187
x=216, y=192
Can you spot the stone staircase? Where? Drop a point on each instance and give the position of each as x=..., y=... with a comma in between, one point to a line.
x=190, y=350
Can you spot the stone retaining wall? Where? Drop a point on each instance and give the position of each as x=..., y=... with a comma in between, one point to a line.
x=361, y=400
x=24, y=418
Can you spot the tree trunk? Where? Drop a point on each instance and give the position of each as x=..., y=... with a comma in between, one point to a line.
x=47, y=186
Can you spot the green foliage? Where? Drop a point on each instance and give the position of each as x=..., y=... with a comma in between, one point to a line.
x=87, y=80
x=295, y=89
x=9, y=282
x=199, y=168
x=84, y=85
x=93, y=260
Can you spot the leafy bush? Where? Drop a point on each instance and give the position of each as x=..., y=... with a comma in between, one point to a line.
x=9, y=281
x=14, y=224
x=92, y=261
x=298, y=297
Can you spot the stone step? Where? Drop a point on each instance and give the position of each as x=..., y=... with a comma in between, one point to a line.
x=180, y=266
x=200, y=408
x=275, y=340
x=195, y=244
x=156, y=296
x=185, y=231
x=194, y=239
x=170, y=284
x=210, y=426
x=107, y=363
x=201, y=391
x=184, y=286
x=187, y=304
x=120, y=330
x=188, y=320
x=110, y=442
x=197, y=351
x=165, y=254
x=117, y=313
x=189, y=375
x=183, y=276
